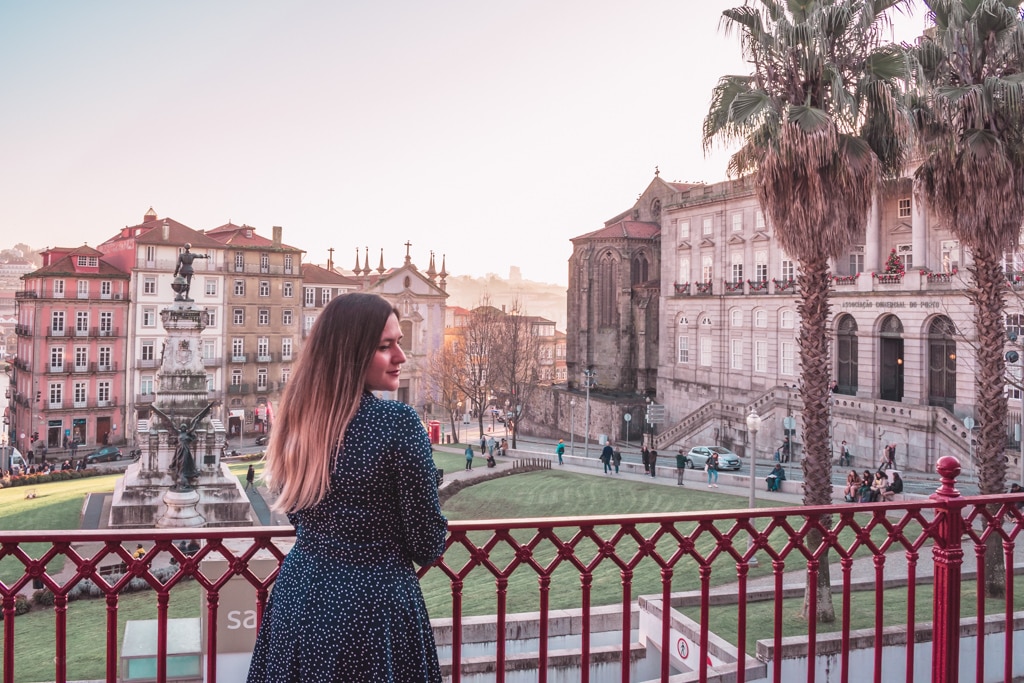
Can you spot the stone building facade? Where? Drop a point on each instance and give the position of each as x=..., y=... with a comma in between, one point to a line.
x=726, y=323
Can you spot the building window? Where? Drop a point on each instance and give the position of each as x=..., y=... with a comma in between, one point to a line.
x=1015, y=327
x=309, y=296
x=788, y=269
x=148, y=354
x=683, y=350
x=263, y=347
x=286, y=316
x=146, y=385
x=264, y=263
x=286, y=374
x=786, y=319
x=761, y=355
x=149, y=317
x=82, y=322
x=287, y=290
x=684, y=230
x=905, y=207
x=736, y=317
x=325, y=296
x=236, y=377
x=103, y=392
x=286, y=348
x=737, y=222
x=105, y=354
x=239, y=288
x=58, y=289
x=705, y=351
x=238, y=349
x=287, y=264
x=238, y=316
x=736, y=354
x=56, y=359
x=149, y=285
x=905, y=252
x=761, y=266
x=684, y=269
x=857, y=259
x=80, y=394
x=105, y=289
x=307, y=323
x=211, y=286
x=239, y=262
x=760, y=318
x=261, y=379
x=706, y=226
x=607, y=288
x=263, y=316
x=737, y=266
x=949, y=251
x=211, y=317
x=209, y=349
x=88, y=261
x=759, y=219
x=57, y=323
x=81, y=358
x=106, y=322
x=83, y=289
x=787, y=357
x=150, y=255
x=56, y=395
x=264, y=288
x=707, y=268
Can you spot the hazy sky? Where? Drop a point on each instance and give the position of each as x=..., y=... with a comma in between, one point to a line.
x=491, y=132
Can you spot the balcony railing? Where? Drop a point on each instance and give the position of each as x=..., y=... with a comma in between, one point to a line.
x=688, y=599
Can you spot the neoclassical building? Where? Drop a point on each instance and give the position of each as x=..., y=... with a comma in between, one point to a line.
x=710, y=330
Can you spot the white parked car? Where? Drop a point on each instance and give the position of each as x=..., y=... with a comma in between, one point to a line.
x=698, y=457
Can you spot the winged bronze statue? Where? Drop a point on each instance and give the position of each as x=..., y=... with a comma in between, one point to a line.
x=183, y=464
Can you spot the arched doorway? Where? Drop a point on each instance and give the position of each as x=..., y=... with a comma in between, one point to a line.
x=846, y=356
x=890, y=338
x=942, y=363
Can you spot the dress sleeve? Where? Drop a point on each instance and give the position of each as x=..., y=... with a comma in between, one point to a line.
x=424, y=528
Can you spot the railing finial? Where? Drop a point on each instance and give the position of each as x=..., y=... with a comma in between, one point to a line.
x=948, y=468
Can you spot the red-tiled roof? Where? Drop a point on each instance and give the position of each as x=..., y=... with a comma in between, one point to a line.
x=313, y=274
x=152, y=232
x=623, y=230
x=65, y=265
x=243, y=236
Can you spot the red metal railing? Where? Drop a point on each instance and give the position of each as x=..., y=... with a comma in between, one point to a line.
x=656, y=555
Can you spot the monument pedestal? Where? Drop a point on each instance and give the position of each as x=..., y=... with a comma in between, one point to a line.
x=180, y=511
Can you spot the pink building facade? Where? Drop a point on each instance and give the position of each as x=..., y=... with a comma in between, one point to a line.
x=68, y=382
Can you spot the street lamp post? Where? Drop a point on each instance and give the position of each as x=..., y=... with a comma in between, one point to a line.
x=588, y=379
x=572, y=424
x=753, y=424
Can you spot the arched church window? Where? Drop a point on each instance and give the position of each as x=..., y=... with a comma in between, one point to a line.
x=847, y=350
x=607, y=285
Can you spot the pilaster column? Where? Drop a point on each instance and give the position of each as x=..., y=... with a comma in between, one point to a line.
x=919, y=231
x=871, y=236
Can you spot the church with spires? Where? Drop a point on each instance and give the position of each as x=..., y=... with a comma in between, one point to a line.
x=420, y=296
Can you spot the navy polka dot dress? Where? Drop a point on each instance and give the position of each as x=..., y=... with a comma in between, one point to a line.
x=347, y=605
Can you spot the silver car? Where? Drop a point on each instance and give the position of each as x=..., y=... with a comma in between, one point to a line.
x=698, y=457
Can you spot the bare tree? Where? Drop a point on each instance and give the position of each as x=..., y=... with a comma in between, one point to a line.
x=516, y=363
x=474, y=348
x=445, y=370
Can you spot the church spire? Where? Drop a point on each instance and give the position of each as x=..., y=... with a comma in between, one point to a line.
x=443, y=275
x=357, y=270
x=431, y=271
x=366, y=262
x=380, y=266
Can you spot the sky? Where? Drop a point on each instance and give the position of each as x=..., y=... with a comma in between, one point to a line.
x=490, y=133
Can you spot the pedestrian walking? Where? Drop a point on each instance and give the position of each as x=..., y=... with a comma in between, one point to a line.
x=250, y=475
x=483, y=445
x=680, y=467
x=616, y=459
x=845, y=457
x=491, y=443
x=606, y=457
x=469, y=457
x=645, y=458
x=888, y=458
x=711, y=467
x=652, y=460
x=560, y=451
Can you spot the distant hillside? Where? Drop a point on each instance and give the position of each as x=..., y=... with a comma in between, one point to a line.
x=536, y=298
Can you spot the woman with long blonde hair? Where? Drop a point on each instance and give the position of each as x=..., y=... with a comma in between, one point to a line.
x=355, y=475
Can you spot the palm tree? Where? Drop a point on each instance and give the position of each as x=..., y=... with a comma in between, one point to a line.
x=971, y=126
x=821, y=120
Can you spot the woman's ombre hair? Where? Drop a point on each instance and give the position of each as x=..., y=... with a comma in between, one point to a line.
x=321, y=398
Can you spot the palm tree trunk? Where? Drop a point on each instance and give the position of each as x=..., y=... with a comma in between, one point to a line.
x=815, y=371
x=987, y=297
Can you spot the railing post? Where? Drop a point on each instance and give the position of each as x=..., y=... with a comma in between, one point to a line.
x=948, y=557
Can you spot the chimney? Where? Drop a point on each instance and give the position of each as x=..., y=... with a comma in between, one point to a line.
x=166, y=231
x=276, y=232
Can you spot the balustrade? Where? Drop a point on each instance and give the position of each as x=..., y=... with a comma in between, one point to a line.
x=690, y=576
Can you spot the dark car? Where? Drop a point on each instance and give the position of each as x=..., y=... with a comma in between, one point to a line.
x=698, y=456
x=105, y=454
